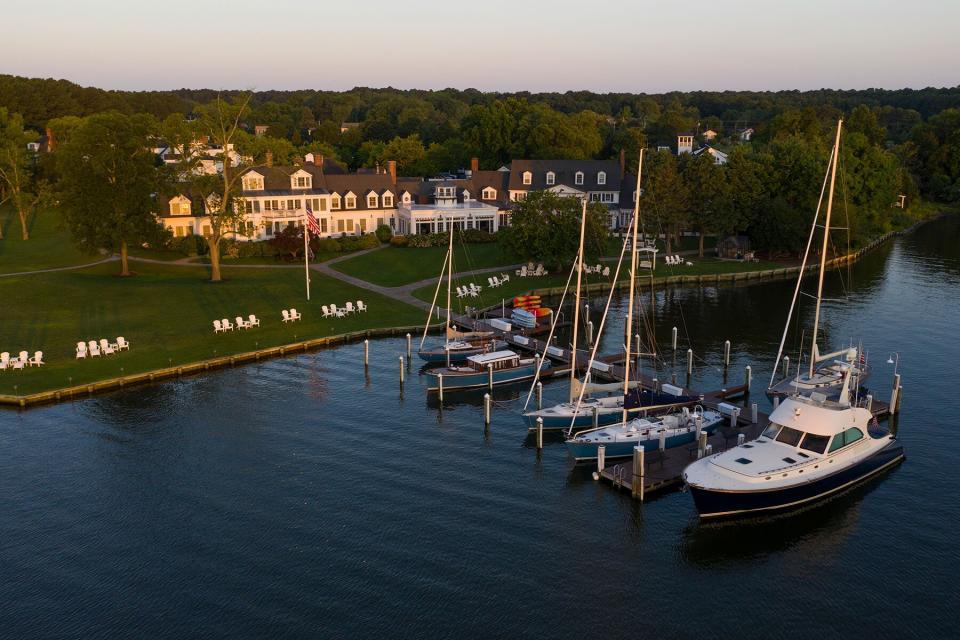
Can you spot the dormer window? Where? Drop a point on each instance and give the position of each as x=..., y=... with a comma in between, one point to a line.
x=387, y=200
x=551, y=177
x=406, y=197
x=301, y=180
x=527, y=177
x=578, y=177
x=372, y=201
x=350, y=201
x=253, y=182
x=180, y=206
x=466, y=195
x=489, y=194
x=335, y=202
x=601, y=177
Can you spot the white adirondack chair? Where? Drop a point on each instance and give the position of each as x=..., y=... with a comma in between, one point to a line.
x=254, y=321
x=227, y=325
x=294, y=315
x=241, y=323
x=81, y=350
x=4, y=360
x=337, y=311
x=361, y=306
x=37, y=359
x=504, y=277
x=286, y=315
x=217, y=327
x=490, y=283
x=21, y=362
x=122, y=344
x=350, y=308
x=105, y=347
x=326, y=311
x=94, y=348
x=606, y=272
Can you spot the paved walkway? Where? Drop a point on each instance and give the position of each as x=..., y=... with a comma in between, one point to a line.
x=56, y=269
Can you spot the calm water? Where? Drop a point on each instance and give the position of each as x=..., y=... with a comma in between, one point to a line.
x=299, y=498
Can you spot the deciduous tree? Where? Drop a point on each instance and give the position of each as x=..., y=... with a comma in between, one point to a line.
x=18, y=176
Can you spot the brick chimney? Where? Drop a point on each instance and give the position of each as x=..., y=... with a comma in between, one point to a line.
x=623, y=163
x=269, y=159
x=51, y=141
x=474, y=165
x=318, y=160
x=392, y=170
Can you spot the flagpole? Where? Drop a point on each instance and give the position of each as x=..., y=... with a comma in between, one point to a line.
x=306, y=256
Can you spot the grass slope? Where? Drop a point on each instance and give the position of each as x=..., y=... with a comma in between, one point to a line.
x=166, y=313
x=392, y=267
x=49, y=246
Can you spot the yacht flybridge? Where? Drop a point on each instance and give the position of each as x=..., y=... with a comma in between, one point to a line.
x=827, y=377
x=814, y=446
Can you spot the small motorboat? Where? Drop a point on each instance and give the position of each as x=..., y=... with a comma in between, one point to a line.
x=459, y=350
x=675, y=429
x=502, y=366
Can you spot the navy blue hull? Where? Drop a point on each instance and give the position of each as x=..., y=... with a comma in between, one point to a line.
x=715, y=504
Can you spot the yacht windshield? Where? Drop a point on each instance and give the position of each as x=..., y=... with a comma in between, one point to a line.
x=817, y=444
x=789, y=436
x=771, y=431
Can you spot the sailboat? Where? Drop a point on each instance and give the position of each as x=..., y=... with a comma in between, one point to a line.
x=458, y=345
x=813, y=447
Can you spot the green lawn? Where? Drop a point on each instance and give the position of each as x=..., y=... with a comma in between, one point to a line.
x=687, y=243
x=519, y=286
x=392, y=267
x=49, y=246
x=165, y=312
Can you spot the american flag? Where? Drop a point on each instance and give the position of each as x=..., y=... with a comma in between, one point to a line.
x=312, y=224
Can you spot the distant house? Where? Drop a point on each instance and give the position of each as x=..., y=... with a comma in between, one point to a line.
x=719, y=157
x=260, y=129
x=746, y=134
x=733, y=247
x=347, y=126
x=709, y=134
x=684, y=143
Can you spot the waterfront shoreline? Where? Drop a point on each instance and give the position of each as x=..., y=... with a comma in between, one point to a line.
x=197, y=367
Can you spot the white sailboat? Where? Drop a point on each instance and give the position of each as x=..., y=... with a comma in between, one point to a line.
x=814, y=446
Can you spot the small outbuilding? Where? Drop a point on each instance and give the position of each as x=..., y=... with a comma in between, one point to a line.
x=734, y=248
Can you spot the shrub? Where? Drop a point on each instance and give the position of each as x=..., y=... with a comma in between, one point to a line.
x=368, y=241
x=384, y=233
x=192, y=245
x=399, y=241
x=328, y=245
x=420, y=241
x=348, y=243
x=477, y=235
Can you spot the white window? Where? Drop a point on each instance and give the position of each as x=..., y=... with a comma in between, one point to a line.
x=180, y=207
x=372, y=201
x=335, y=202
x=601, y=177
x=387, y=200
x=406, y=197
x=351, y=203
x=578, y=177
x=551, y=177
x=253, y=183
x=489, y=194
x=466, y=195
x=527, y=177
x=302, y=182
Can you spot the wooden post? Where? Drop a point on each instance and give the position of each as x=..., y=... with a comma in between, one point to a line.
x=689, y=361
x=539, y=433
x=536, y=362
x=747, y=378
x=726, y=354
x=869, y=406
x=596, y=417
x=440, y=386
x=663, y=441
x=776, y=402
x=786, y=366
x=674, y=338
x=486, y=409
x=409, y=348
x=895, y=394
x=741, y=438
x=601, y=458
x=539, y=395
x=401, y=369
x=366, y=353
x=638, y=472
x=733, y=417
x=702, y=445
x=753, y=413
x=490, y=376
x=590, y=332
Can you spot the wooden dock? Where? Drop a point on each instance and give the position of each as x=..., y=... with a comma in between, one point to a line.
x=663, y=470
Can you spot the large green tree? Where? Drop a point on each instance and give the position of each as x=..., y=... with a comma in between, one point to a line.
x=18, y=171
x=665, y=199
x=546, y=227
x=108, y=178
x=710, y=205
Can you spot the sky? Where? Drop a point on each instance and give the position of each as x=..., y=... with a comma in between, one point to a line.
x=491, y=45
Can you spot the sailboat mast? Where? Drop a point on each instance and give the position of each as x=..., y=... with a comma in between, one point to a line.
x=449, y=281
x=633, y=276
x=576, y=301
x=823, y=253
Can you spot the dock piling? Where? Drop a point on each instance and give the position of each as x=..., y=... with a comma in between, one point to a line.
x=747, y=378
x=708, y=451
x=366, y=353
x=702, y=445
x=401, y=370
x=596, y=417
x=486, y=409
x=895, y=394
x=786, y=366
x=869, y=406
x=754, y=410
x=674, y=338
x=539, y=395
x=539, y=434
x=726, y=354
x=741, y=438
x=440, y=386
x=663, y=440
x=689, y=362
x=638, y=469
x=734, y=417
x=601, y=458
x=490, y=376
x=776, y=402
x=409, y=347
x=590, y=332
